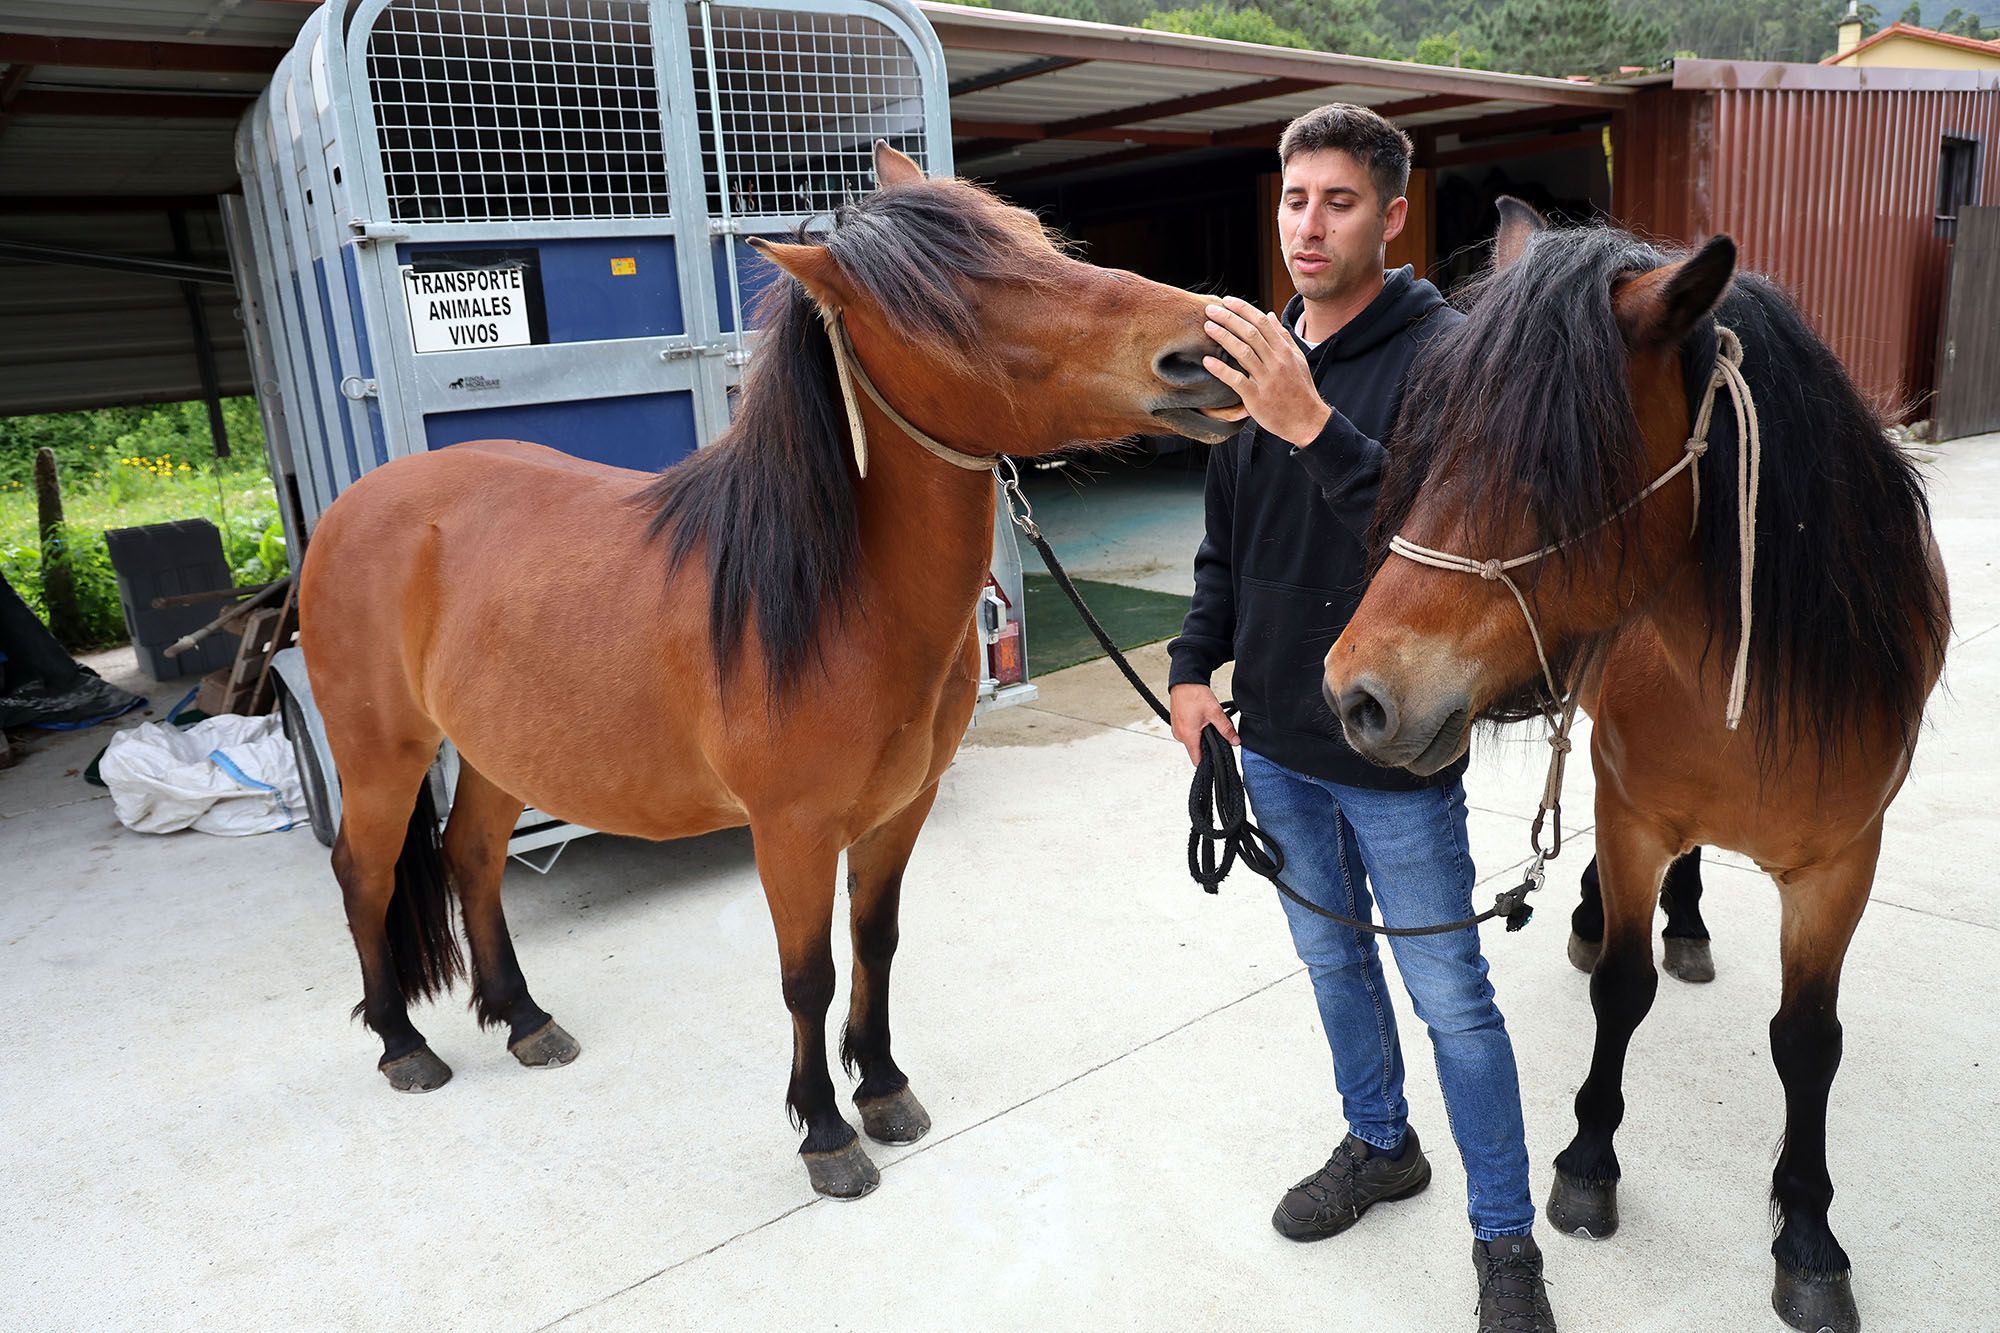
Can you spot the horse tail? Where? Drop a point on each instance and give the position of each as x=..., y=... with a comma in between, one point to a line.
x=421, y=939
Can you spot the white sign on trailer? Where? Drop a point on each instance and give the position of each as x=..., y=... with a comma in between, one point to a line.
x=465, y=310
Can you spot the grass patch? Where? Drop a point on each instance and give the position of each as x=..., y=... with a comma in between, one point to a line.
x=155, y=468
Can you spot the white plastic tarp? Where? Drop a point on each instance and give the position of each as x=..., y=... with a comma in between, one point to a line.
x=229, y=775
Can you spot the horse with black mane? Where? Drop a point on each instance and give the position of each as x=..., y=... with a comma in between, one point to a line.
x=778, y=631
x=1541, y=446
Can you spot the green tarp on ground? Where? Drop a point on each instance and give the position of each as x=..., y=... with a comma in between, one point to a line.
x=1058, y=638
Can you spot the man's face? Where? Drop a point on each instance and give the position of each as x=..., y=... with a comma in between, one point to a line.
x=1332, y=225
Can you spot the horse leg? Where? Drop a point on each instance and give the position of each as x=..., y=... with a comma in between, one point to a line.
x=1586, y=923
x=1821, y=907
x=798, y=866
x=890, y=1112
x=391, y=873
x=475, y=849
x=1633, y=856
x=1686, y=936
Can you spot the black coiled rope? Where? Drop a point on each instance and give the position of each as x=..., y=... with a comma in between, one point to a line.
x=1220, y=832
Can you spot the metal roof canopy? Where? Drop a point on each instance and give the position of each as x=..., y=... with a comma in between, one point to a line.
x=117, y=114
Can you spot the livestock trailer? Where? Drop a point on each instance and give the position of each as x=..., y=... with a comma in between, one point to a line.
x=529, y=219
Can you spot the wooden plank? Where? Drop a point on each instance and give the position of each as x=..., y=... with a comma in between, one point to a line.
x=1968, y=398
x=11, y=84
x=263, y=694
x=1181, y=106
x=257, y=629
x=1276, y=278
x=1267, y=134
x=1012, y=178
x=131, y=105
x=1413, y=245
x=1021, y=131
x=1011, y=74
x=102, y=53
x=87, y=205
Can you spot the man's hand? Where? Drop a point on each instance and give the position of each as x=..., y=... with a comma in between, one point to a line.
x=1192, y=708
x=1275, y=383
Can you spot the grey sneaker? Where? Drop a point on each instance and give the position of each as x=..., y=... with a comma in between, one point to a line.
x=1513, y=1298
x=1354, y=1179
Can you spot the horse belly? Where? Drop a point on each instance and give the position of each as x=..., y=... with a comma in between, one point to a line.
x=562, y=665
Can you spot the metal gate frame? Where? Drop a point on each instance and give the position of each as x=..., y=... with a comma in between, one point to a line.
x=328, y=243
x=546, y=372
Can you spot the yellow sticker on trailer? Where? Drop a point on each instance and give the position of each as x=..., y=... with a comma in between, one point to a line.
x=624, y=268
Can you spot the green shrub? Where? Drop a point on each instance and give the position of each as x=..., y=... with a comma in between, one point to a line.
x=127, y=467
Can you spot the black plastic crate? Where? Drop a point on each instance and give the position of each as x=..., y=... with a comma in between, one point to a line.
x=171, y=560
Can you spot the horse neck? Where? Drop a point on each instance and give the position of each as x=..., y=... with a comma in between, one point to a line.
x=926, y=535
x=1676, y=612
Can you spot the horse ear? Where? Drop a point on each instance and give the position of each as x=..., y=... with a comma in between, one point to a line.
x=1692, y=290
x=812, y=265
x=1518, y=224
x=893, y=167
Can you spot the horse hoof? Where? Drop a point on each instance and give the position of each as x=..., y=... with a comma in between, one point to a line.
x=1582, y=1207
x=546, y=1047
x=843, y=1173
x=1583, y=953
x=1690, y=960
x=895, y=1119
x=419, y=1071
x=1815, y=1303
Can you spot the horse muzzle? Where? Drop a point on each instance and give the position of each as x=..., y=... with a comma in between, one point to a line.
x=1197, y=425
x=1385, y=728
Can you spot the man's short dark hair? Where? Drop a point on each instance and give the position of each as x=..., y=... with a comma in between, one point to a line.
x=1372, y=141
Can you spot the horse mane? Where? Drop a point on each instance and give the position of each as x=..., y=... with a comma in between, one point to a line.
x=1528, y=402
x=772, y=501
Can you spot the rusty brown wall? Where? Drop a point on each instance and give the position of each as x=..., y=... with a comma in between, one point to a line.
x=1831, y=192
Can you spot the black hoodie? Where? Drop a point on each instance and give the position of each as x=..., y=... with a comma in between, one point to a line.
x=1285, y=557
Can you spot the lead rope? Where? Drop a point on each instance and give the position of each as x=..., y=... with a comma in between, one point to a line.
x=1220, y=832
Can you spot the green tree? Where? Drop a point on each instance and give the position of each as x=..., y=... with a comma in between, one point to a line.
x=1352, y=27
x=1087, y=11
x=1563, y=37
x=1450, y=49
x=1801, y=30
x=1914, y=16
x=1216, y=20
x=1966, y=23
x=1406, y=22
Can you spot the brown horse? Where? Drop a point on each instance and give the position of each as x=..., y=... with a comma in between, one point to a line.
x=761, y=635
x=1542, y=422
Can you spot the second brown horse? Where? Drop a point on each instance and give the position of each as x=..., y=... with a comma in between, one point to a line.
x=1558, y=422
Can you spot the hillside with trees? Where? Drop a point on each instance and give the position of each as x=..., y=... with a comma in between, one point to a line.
x=1553, y=37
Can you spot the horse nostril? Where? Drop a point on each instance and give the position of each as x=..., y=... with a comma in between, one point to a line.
x=1181, y=369
x=1368, y=713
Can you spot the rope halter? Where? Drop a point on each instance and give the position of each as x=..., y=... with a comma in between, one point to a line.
x=848, y=367
x=1728, y=374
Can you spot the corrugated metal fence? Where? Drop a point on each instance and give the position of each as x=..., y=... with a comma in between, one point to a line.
x=1832, y=192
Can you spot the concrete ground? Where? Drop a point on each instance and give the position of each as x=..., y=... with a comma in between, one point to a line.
x=1124, y=1072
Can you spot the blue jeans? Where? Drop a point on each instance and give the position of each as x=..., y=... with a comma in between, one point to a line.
x=1411, y=847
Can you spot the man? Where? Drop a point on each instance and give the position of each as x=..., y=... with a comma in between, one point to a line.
x=1280, y=571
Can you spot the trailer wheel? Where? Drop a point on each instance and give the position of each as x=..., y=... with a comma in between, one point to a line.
x=311, y=778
